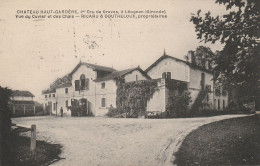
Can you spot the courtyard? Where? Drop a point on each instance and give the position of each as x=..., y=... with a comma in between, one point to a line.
x=110, y=141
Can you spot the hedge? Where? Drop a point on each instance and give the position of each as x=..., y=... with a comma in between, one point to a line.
x=5, y=125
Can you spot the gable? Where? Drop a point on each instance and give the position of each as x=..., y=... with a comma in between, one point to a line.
x=179, y=70
x=135, y=75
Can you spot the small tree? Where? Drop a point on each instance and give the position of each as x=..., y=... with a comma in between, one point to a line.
x=178, y=104
x=237, y=65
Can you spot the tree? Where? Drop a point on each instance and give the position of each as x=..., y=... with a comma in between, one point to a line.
x=237, y=65
x=202, y=56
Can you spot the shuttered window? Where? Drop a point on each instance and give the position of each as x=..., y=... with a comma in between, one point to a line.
x=103, y=102
x=76, y=85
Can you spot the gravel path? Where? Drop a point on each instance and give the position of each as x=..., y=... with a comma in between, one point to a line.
x=112, y=142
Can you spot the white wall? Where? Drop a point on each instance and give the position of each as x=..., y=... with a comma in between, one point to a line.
x=158, y=102
x=132, y=76
x=49, y=99
x=194, y=85
x=179, y=70
x=109, y=93
x=86, y=94
x=62, y=97
x=22, y=98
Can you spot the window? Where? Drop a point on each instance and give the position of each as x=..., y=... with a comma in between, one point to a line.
x=218, y=104
x=217, y=92
x=103, y=85
x=54, y=106
x=103, y=102
x=164, y=75
x=66, y=103
x=136, y=77
x=46, y=96
x=49, y=95
x=224, y=104
x=87, y=84
x=168, y=75
x=76, y=85
x=208, y=88
x=66, y=90
x=202, y=82
x=82, y=82
x=53, y=95
x=224, y=93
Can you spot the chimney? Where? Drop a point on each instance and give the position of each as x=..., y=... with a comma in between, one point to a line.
x=190, y=57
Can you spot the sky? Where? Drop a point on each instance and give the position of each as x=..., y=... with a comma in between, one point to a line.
x=34, y=52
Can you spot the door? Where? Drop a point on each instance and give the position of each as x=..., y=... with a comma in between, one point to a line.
x=49, y=108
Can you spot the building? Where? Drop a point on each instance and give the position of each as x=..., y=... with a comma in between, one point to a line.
x=22, y=103
x=93, y=85
x=197, y=79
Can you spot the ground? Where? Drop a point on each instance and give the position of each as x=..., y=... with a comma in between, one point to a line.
x=228, y=142
x=110, y=141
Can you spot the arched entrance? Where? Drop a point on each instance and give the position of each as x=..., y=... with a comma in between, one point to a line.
x=80, y=107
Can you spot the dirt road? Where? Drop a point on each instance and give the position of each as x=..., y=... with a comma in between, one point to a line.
x=112, y=142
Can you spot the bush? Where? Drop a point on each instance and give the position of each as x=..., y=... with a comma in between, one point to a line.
x=5, y=125
x=177, y=105
x=112, y=112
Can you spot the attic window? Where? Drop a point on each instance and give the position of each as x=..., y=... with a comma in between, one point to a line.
x=136, y=77
x=103, y=85
x=166, y=75
x=66, y=90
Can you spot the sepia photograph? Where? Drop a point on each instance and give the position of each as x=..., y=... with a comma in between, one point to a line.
x=129, y=83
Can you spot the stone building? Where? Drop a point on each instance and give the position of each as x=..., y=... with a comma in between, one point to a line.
x=22, y=103
x=196, y=79
x=94, y=85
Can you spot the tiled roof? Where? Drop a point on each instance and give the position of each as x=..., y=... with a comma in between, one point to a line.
x=66, y=80
x=59, y=83
x=121, y=73
x=94, y=67
x=24, y=93
x=164, y=56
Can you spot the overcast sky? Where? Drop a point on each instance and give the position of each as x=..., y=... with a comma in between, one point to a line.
x=34, y=52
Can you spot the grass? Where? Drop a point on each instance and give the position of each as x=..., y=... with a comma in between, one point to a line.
x=227, y=142
x=20, y=154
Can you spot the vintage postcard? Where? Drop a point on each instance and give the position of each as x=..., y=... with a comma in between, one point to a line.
x=119, y=82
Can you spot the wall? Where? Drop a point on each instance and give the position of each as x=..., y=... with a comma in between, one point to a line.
x=109, y=93
x=86, y=94
x=22, y=98
x=158, y=102
x=194, y=85
x=179, y=70
x=132, y=76
x=49, y=99
x=62, y=97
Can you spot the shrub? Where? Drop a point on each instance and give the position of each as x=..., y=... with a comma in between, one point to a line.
x=5, y=125
x=132, y=97
x=178, y=105
x=112, y=112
